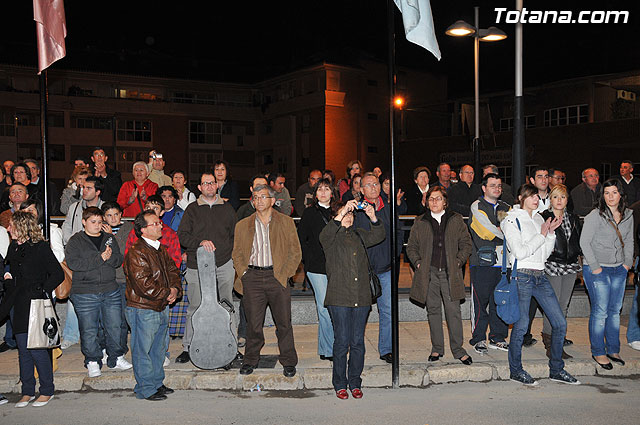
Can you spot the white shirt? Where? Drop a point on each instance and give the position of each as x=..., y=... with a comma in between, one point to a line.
x=155, y=244
x=438, y=216
x=527, y=244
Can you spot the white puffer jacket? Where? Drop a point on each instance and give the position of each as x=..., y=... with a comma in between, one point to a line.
x=527, y=245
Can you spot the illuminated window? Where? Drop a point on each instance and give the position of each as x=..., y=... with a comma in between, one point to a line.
x=134, y=130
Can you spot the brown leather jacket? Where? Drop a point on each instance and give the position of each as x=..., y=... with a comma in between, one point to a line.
x=150, y=273
x=285, y=247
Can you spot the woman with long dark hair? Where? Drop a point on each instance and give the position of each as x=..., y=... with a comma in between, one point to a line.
x=607, y=245
x=314, y=219
x=33, y=273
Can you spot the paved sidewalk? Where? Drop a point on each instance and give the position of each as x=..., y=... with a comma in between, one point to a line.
x=314, y=373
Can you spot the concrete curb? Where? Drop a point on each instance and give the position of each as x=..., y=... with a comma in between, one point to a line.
x=411, y=375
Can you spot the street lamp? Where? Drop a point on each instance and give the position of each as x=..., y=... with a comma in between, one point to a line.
x=463, y=29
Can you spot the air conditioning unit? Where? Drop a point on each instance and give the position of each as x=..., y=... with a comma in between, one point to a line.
x=626, y=95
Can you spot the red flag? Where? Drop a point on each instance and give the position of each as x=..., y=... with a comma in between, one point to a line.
x=51, y=30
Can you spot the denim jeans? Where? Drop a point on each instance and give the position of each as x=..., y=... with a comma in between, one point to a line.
x=9, y=338
x=71, y=331
x=633, y=329
x=41, y=359
x=93, y=310
x=325, y=327
x=149, y=331
x=606, y=292
x=384, y=313
x=348, y=326
x=530, y=285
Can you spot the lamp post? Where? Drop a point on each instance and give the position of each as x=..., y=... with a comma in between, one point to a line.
x=462, y=29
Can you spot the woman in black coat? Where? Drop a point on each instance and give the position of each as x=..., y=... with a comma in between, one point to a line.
x=313, y=221
x=562, y=266
x=32, y=271
x=227, y=188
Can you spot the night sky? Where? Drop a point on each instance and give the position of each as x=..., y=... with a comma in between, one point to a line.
x=249, y=41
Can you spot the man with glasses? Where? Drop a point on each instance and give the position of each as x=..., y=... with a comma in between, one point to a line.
x=209, y=222
x=465, y=192
x=267, y=253
x=148, y=316
x=485, y=266
x=556, y=177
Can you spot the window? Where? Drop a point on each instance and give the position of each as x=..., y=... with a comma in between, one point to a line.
x=134, y=130
x=138, y=93
x=605, y=171
x=566, y=115
x=506, y=124
x=282, y=165
x=267, y=159
x=202, y=161
x=240, y=141
x=27, y=150
x=372, y=83
x=268, y=127
x=372, y=149
x=306, y=120
x=32, y=119
x=126, y=157
x=371, y=116
x=101, y=123
x=7, y=124
x=205, y=132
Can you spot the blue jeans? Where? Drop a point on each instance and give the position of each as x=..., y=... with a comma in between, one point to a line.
x=325, y=328
x=94, y=310
x=348, y=326
x=633, y=329
x=149, y=330
x=71, y=331
x=606, y=292
x=9, y=338
x=41, y=359
x=538, y=287
x=384, y=312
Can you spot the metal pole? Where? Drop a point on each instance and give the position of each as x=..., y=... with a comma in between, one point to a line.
x=476, y=74
x=395, y=366
x=518, y=155
x=44, y=137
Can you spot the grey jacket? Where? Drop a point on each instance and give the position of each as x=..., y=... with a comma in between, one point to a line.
x=73, y=221
x=91, y=274
x=121, y=238
x=600, y=243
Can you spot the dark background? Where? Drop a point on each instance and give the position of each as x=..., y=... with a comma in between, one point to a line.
x=249, y=41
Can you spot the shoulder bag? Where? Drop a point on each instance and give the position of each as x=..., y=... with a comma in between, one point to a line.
x=506, y=293
x=374, y=281
x=44, y=325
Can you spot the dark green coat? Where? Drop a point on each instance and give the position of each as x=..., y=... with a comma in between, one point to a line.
x=347, y=269
x=457, y=244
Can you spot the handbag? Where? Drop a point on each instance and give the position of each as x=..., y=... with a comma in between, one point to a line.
x=44, y=325
x=374, y=281
x=64, y=289
x=506, y=293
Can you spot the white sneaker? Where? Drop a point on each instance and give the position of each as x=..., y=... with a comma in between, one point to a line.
x=167, y=362
x=635, y=345
x=122, y=364
x=105, y=356
x=94, y=369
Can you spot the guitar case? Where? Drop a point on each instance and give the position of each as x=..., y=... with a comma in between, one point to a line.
x=214, y=344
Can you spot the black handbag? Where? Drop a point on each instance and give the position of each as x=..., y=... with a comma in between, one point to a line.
x=374, y=281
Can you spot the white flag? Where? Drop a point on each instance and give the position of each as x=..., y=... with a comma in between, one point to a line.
x=418, y=24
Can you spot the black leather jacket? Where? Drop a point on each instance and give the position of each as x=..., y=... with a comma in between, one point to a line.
x=566, y=252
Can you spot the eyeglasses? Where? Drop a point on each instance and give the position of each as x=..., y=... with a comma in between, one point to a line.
x=559, y=177
x=208, y=183
x=261, y=197
x=436, y=199
x=158, y=223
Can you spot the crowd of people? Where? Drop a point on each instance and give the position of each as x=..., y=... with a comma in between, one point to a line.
x=136, y=283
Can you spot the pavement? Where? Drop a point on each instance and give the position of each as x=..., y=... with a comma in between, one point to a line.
x=314, y=373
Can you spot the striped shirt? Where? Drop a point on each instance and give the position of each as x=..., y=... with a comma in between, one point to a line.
x=261, y=248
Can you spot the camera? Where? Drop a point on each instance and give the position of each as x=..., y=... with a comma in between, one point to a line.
x=362, y=205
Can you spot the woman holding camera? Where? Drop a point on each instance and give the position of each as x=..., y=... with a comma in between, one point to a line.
x=348, y=296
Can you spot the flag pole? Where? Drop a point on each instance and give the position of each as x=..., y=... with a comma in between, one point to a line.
x=395, y=365
x=44, y=138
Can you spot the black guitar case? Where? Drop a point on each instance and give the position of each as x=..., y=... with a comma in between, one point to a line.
x=213, y=344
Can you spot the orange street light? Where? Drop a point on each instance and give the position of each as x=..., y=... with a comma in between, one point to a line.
x=398, y=102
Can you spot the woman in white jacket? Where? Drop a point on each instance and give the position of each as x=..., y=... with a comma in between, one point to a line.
x=530, y=241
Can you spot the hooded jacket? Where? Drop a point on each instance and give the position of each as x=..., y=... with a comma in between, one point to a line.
x=527, y=243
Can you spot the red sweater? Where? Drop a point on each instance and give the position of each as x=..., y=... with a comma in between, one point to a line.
x=133, y=209
x=169, y=239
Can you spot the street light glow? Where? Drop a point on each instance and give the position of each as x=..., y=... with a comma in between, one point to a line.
x=492, y=34
x=398, y=102
x=460, y=29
